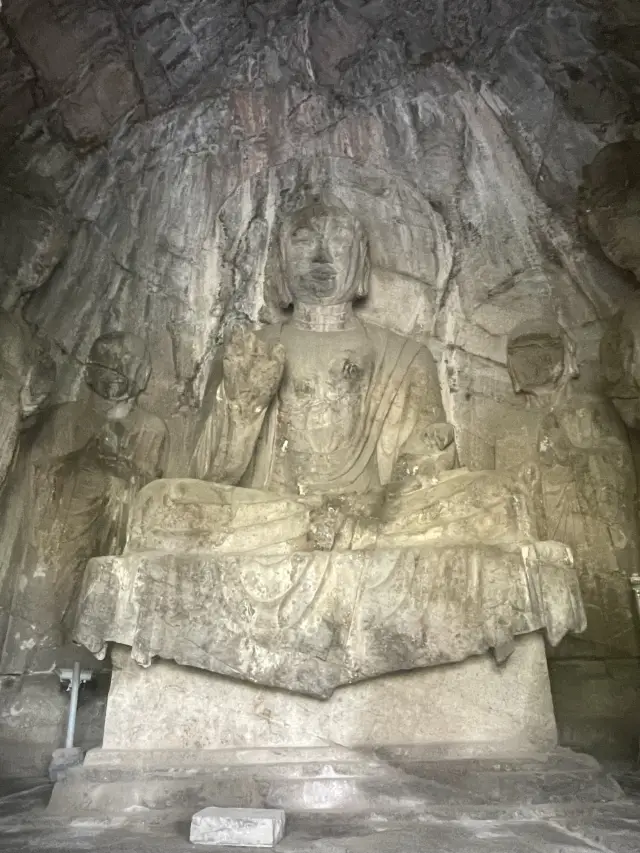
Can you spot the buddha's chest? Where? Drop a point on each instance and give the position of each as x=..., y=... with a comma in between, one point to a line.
x=323, y=396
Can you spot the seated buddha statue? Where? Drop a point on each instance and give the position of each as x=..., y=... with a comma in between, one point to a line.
x=326, y=534
x=343, y=417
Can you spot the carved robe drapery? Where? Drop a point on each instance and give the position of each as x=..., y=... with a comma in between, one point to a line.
x=394, y=383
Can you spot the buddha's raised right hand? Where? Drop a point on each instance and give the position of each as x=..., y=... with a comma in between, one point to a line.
x=251, y=370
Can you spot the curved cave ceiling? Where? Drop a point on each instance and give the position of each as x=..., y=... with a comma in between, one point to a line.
x=560, y=74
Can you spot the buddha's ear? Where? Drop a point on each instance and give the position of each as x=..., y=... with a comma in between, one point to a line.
x=285, y=299
x=275, y=272
x=364, y=262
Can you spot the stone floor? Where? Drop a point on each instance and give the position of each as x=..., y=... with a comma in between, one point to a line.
x=602, y=827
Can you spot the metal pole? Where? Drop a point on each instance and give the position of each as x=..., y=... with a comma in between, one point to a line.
x=73, y=705
x=635, y=586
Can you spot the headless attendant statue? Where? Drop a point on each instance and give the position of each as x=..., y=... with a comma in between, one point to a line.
x=585, y=494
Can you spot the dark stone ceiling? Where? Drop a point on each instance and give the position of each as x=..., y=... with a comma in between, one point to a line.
x=90, y=64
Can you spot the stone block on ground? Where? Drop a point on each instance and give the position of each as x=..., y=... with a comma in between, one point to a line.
x=225, y=827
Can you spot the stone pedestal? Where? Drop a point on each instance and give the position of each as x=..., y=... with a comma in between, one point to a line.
x=472, y=708
x=179, y=739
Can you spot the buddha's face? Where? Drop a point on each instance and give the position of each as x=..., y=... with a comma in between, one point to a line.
x=320, y=249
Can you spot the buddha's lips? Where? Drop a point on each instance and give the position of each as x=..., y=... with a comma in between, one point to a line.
x=323, y=272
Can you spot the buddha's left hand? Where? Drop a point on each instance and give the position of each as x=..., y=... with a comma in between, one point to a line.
x=440, y=436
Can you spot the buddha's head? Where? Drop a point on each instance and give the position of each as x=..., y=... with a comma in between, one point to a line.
x=324, y=255
x=540, y=355
x=118, y=367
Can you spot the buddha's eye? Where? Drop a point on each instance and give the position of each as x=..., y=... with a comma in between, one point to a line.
x=301, y=233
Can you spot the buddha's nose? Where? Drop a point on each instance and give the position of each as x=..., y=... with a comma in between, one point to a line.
x=322, y=255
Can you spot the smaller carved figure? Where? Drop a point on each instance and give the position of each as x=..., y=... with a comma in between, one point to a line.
x=88, y=462
x=586, y=487
x=620, y=362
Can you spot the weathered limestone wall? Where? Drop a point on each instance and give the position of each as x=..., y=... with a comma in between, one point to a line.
x=148, y=154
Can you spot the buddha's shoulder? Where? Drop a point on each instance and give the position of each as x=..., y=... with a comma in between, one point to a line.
x=397, y=341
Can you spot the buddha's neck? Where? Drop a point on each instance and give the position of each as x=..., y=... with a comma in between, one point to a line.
x=324, y=318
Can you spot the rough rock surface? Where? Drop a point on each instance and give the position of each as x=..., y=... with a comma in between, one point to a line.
x=422, y=109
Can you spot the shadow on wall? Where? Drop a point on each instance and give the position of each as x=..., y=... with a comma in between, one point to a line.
x=596, y=706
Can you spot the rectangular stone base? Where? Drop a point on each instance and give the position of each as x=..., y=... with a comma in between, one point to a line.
x=155, y=787
x=475, y=708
